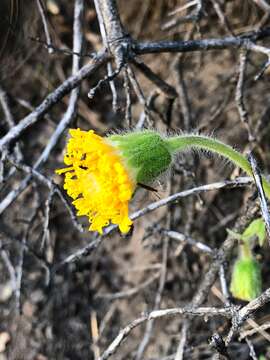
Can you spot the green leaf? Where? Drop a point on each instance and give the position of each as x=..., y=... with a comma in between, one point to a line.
x=255, y=228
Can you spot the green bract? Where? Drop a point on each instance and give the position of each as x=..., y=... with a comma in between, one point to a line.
x=146, y=154
x=246, y=281
x=255, y=229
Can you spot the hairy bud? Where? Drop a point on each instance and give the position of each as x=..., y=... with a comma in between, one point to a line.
x=246, y=283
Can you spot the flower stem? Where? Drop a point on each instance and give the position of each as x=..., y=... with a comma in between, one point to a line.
x=245, y=251
x=184, y=142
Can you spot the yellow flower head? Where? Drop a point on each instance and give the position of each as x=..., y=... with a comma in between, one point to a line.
x=102, y=173
x=98, y=180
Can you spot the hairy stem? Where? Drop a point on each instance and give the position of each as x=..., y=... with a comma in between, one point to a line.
x=184, y=142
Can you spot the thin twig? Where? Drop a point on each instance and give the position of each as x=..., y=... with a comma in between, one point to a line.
x=68, y=116
x=5, y=103
x=254, y=331
x=244, y=313
x=106, y=44
x=139, y=93
x=157, y=314
x=243, y=181
x=144, y=116
x=183, y=94
x=222, y=17
x=181, y=346
x=46, y=231
x=167, y=89
x=193, y=17
x=251, y=349
x=128, y=109
x=187, y=239
x=43, y=15
x=245, y=41
x=53, y=98
x=50, y=185
x=239, y=95
x=223, y=285
x=158, y=297
x=11, y=269
x=263, y=5
x=19, y=268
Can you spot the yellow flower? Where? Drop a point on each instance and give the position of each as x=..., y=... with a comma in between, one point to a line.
x=98, y=180
x=102, y=173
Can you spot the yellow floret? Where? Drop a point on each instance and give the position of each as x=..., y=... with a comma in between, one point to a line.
x=98, y=181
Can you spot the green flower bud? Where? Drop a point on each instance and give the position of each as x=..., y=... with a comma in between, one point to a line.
x=246, y=282
x=146, y=154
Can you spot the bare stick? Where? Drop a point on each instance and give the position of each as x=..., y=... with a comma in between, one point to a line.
x=158, y=297
x=53, y=98
x=44, y=19
x=139, y=93
x=187, y=239
x=183, y=94
x=262, y=197
x=157, y=314
x=222, y=17
x=72, y=106
x=167, y=90
x=193, y=17
x=144, y=116
x=19, y=268
x=51, y=186
x=4, y=100
x=46, y=231
x=110, y=15
x=151, y=207
x=242, y=181
x=114, y=32
x=128, y=110
x=210, y=277
x=6, y=108
x=251, y=349
x=106, y=44
x=223, y=285
x=181, y=346
x=239, y=95
x=183, y=7
x=245, y=41
x=263, y=5
x=255, y=330
x=11, y=270
x=244, y=313
x=68, y=116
